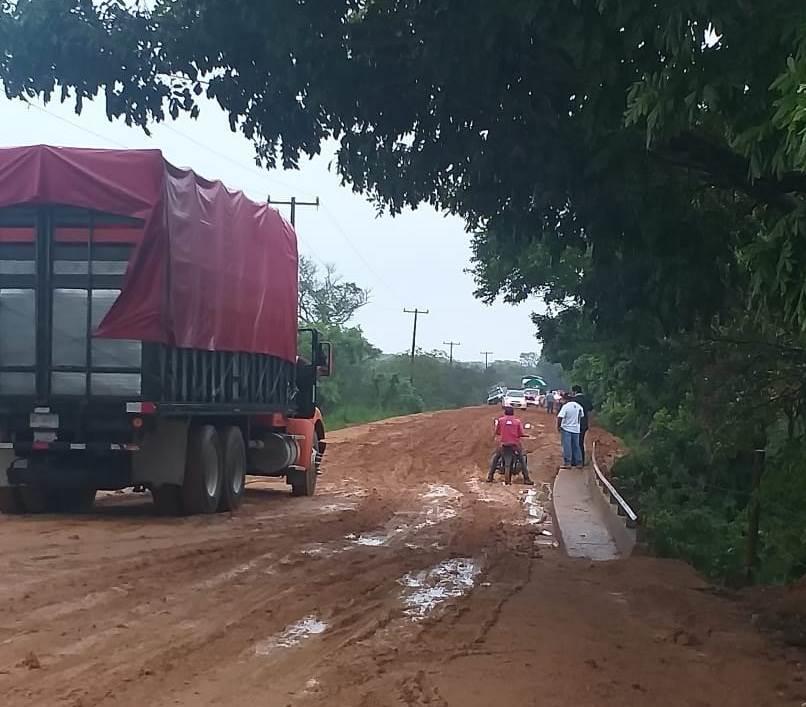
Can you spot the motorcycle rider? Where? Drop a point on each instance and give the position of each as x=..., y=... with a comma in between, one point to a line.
x=510, y=429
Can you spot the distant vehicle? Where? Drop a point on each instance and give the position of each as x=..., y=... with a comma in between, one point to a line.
x=532, y=397
x=496, y=395
x=532, y=382
x=515, y=399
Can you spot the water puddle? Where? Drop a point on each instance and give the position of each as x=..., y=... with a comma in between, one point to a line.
x=439, y=505
x=535, y=502
x=292, y=635
x=424, y=591
x=338, y=507
x=442, y=491
x=375, y=539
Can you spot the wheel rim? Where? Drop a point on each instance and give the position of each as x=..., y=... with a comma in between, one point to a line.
x=211, y=470
x=236, y=477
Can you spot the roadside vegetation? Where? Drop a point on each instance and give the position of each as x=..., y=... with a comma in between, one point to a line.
x=641, y=166
x=369, y=385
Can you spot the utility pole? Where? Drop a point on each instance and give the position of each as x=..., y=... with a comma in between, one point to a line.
x=451, y=344
x=293, y=203
x=486, y=355
x=416, y=312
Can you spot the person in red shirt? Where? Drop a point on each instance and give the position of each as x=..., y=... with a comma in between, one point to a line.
x=510, y=429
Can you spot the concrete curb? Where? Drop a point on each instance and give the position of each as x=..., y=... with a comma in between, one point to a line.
x=621, y=520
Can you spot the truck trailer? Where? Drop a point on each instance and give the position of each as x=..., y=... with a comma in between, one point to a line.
x=148, y=336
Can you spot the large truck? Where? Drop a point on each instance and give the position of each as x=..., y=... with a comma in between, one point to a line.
x=148, y=336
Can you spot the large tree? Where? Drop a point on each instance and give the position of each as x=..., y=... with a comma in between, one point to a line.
x=560, y=130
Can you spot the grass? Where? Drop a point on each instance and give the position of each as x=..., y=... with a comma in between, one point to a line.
x=351, y=415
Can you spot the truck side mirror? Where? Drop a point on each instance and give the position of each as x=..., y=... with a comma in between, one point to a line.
x=324, y=359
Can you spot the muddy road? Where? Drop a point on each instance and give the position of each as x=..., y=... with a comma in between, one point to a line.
x=405, y=581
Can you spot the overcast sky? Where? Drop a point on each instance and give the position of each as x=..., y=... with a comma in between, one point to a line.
x=417, y=259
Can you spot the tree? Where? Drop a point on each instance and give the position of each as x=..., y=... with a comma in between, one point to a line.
x=529, y=360
x=326, y=298
x=582, y=130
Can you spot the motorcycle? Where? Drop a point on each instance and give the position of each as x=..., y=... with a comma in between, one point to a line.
x=509, y=462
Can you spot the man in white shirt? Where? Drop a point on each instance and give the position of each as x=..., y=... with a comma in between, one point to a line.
x=569, y=424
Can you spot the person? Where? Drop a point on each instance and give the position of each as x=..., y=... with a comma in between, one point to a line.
x=568, y=423
x=510, y=429
x=587, y=406
x=550, y=402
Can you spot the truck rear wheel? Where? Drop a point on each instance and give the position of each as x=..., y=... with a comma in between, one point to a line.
x=303, y=483
x=34, y=499
x=71, y=500
x=233, y=452
x=11, y=501
x=167, y=499
x=201, y=488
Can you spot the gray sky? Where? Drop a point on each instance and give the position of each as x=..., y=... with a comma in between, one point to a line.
x=416, y=259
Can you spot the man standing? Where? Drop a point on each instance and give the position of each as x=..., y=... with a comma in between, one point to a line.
x=587, y=407
x=568, y=423
x=550, y=402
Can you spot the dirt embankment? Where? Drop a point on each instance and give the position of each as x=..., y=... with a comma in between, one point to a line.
x=405, y=581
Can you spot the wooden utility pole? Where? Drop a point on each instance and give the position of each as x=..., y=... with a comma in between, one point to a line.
x=416, y=312
x=451, y=344
x=294, y=203
x=486, y=355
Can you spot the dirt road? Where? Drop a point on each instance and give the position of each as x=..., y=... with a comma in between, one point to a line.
x=405, y=581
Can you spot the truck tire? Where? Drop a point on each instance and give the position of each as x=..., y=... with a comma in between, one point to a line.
x=167, y=500
x=303, y=483
x=233, y=453
x=201, y=488
x=35, y=499
x=11, y=501
x=72, y=500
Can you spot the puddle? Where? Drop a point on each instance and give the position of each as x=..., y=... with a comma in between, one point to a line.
x=404, y=523
x=338, y=507
x=292, y=635
x=442, y=491
x=533, y=505
x=370, y=539
x=425, y=591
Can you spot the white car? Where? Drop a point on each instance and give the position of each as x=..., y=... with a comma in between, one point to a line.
x=515, y=399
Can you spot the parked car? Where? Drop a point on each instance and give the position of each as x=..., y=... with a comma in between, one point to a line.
x=532, y=396
x=515, y=399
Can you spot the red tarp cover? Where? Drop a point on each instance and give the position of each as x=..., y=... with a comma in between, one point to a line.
x=213, y=270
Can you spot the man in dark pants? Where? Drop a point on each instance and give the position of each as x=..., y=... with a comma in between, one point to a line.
x=587, y=406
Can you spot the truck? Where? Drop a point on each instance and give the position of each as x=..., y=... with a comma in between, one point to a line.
x=149, y=337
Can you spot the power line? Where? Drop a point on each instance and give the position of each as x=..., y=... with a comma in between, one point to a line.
x=107, y=139
x=383, y=282
x=486, y=355
x=76, y=125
